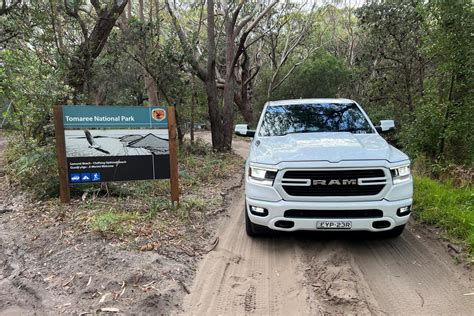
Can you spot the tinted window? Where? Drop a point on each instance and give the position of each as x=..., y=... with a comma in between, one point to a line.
x=304, y=118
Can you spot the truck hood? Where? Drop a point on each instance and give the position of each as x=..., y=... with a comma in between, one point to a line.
x=332, y=147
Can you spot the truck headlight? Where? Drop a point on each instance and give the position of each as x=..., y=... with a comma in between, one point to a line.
x=401, y=174
x=261, y=175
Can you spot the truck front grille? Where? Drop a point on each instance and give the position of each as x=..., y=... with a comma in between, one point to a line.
x=333, y=182
x=333, y=214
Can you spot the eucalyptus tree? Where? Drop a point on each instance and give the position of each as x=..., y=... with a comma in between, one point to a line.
x=449, y=47
x=95, y=23
x=8, y=30
x=140, y=37
x=286, y=41
x=237, y=31
x=69, y=35
x=391, y=53
x=217, y=67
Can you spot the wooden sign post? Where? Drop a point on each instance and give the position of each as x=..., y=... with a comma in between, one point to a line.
x=174, y=184
x=64, y=192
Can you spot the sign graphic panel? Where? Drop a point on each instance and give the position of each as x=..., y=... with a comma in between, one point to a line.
x=116, y=143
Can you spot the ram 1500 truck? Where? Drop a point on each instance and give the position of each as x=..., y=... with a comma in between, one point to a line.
x=320, y=164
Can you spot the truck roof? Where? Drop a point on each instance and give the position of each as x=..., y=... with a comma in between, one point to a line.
x=306, y=101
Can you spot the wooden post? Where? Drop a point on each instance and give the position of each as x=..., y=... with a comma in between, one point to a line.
x=193, y=106
x=174, y=183
x=64, y=193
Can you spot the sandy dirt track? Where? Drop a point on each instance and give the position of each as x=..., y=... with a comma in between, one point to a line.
x=314, y=273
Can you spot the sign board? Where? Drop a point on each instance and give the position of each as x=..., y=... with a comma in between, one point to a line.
x=114, y=143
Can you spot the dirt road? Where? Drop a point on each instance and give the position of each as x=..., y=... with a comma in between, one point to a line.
x=327, y=273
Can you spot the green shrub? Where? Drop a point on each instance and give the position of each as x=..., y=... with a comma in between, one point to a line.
x=33, y=88
x=430, y=134
x=447, y=206
x=33, y=167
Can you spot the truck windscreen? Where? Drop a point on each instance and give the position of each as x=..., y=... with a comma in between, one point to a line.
x=312, y=118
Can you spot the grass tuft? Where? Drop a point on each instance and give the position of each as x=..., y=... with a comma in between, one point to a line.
x=112, y=222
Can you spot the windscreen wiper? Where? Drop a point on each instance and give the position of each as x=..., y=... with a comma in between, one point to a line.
x=303, y=131
x=354, y=130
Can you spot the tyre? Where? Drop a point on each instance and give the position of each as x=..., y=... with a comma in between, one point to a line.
x=394, y=232
x=254, y=230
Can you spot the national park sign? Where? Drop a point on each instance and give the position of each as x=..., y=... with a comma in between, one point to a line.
x=115, y=143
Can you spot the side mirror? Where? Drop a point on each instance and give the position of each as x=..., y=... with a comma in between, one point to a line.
x=385, y=126
x=243, y=130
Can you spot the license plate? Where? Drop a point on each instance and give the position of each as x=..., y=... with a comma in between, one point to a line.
x=334, y=225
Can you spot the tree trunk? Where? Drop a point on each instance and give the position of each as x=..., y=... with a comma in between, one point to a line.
x=229, y=86
x=179, y=127
x=243, y=103
x=100, y=95
x=129, y=9
x=211, y=84
x=141, y=11
x=80, y=65
x=151, y=87
x=446, y=115
x=193, y=106
x=57, y=27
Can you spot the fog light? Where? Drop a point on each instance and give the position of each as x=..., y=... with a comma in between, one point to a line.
x=258, y=211
x=404, y=211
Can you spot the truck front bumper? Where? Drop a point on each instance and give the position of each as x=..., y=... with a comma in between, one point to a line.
x=276, y=214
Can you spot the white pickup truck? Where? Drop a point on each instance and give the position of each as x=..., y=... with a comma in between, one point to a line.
x=320, y=164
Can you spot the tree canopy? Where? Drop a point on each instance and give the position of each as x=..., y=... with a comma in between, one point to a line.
x=219, y=61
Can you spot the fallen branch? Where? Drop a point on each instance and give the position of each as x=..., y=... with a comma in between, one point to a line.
x=184, y=286
x=65, y=284
x=214, y=245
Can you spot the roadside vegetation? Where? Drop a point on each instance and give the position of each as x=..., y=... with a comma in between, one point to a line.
x=138, y=213
x=141, y=212
x=446, y=206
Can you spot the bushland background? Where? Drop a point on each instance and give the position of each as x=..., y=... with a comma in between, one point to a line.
x=218, y=62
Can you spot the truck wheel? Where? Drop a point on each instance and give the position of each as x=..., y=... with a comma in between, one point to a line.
x=254, y=230
x=394, y=232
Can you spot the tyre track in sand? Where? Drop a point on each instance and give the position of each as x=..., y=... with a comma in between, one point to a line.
x=315, y=273
x=244, y=275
